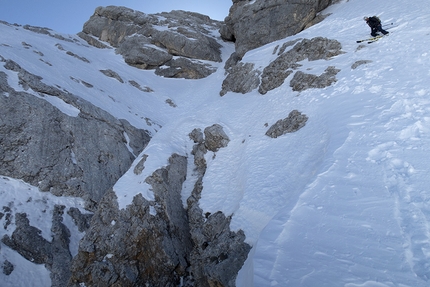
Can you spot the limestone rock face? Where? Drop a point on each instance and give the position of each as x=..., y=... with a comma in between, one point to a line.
x=150, y=41
x=162, y=242
x=146, y=243
x=79, y=156
x=270, y=20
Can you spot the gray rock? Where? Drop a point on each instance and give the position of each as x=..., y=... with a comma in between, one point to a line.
x=7, y=216
x=277, y=71
x=112, y=74
x=160, y=242
x=185, y=68
x=7, y=267
x=232, y=61
x=137, y=85
x=199, y=151
x=302, y=81
x=76, y=156
x=359, y=63
x=242, y=78
x=28, y=242
x=270, y=20
x=144, y=42
x=218, y=253
x=139, y=246
x=138, y=53
x=82, y=221
x=197, y=136
x=93, y=41
x=182, y=42
x=83, y=59
x=140, y=166
x=61, y=257
x=215, y=138
x=292, y=123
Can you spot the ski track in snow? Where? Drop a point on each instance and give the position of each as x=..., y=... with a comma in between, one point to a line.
x=342, y=202
x=388, y=125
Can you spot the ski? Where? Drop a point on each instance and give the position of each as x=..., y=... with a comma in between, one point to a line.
x=368, y=42
x=370, y=39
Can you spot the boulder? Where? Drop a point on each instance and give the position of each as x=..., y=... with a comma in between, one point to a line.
x=215, y=138
x=302, y=81
x=295, y=121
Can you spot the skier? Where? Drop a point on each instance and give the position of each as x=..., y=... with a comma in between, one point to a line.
x=375, y=25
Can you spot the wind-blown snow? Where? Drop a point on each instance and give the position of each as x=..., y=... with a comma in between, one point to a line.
x=345, y=201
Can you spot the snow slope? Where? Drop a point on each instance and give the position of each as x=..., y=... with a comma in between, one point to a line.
x=344, y=201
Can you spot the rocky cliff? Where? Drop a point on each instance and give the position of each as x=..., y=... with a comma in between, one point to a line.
x=158, y=242
x=270, y=20
x=178, y=44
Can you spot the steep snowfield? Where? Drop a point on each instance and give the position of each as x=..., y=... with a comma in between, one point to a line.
x=345, y=201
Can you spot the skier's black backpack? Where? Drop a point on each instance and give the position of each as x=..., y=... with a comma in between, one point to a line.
x=377, y=19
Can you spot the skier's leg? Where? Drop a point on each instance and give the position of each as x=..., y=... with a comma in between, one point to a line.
x=382, y=30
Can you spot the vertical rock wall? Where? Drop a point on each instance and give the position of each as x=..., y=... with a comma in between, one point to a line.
x=270, y=20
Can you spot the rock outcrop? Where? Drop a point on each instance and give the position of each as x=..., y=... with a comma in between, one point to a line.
x=243, y=78
x=161, y=242
x=174, y=43
x=302, y=81
x=55, y=254
x=79, y=156
x=270, y=20
x=295, y=121
x=218, y=253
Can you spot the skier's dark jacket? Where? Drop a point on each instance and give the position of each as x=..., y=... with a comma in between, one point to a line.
x=373, y=22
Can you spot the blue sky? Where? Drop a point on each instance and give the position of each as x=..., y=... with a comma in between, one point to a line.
x=69, y=16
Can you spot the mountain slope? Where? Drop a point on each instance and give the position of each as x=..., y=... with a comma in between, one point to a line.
x=341, y=202
x=362, y=218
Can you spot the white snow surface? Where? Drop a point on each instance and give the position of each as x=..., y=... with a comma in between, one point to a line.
x=345, y=201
